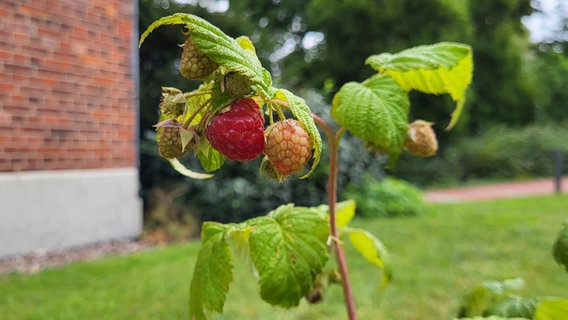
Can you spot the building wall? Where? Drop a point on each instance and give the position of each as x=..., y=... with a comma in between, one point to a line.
x=68, y=103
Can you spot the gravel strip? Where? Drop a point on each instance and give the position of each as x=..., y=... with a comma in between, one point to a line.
x=39, y=260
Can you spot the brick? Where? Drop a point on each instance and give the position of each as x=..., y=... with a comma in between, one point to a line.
x=65, y=83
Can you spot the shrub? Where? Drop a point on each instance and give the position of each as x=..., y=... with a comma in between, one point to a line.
x=389, y=197
x=504, y=152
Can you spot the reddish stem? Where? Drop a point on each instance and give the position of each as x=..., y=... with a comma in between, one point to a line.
x=333, y=141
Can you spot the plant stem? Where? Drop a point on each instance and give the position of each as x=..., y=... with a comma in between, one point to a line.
x=333, y=141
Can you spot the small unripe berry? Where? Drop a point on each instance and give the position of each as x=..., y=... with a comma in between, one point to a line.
x=169, y=140
x=421, y=140
x=194, y=64
x=172, y=102
x=236, y=84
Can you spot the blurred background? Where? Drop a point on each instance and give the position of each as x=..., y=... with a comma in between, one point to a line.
x=78, y=102
x=516, y=112
x=79, y=165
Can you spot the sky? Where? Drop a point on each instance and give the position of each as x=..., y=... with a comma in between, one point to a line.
x=543, y=24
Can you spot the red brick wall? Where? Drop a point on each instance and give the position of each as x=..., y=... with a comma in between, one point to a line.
x=66, y=84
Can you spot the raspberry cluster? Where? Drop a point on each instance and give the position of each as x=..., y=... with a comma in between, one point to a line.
x=232, y=123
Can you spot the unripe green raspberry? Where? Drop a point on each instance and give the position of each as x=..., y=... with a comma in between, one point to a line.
x=288, y=146
x=194, y=64
x=172, y=102
x=169, y=140
x=421, y=140
x=236, y=84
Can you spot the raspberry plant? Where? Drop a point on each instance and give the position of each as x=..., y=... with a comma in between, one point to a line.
x=224, y=117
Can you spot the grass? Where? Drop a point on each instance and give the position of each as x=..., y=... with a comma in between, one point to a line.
x=437, y=257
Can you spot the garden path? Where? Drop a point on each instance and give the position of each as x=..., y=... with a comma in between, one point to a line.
x=497, y=190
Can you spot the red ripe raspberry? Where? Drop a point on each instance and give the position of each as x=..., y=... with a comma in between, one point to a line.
x=238, y=133
x=288, y=146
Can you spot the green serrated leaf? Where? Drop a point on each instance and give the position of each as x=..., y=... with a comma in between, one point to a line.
x=303, y=113
x=217, y=46
x=224, y=50
x=239, y=240
x=551, y=309
x=177, y=18
x=288, y=249
x=213, y=272
x=372, y=249
x=209, y=158
x=375, y=111
x=344, y=212
x=444, y=67
x=180, y=168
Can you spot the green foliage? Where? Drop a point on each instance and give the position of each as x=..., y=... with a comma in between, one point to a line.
x=372, y=249
x=509, y=153
x=389, y=197
x=551, y=309
x=560, y=247
x=501, y=92
x=375, y=111
x=514, y=307
x=547, y=72
x=214, y=267
x=368, y=245
x=287, y=247
x=217, y=46
x=435, y=69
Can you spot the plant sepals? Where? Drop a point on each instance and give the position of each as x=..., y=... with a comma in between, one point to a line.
x=179, y=167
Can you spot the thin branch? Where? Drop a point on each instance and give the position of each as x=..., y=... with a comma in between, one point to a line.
x=333, y=141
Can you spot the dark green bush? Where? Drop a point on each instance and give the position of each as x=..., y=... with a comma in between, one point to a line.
x=389, y=197
x=508, y=153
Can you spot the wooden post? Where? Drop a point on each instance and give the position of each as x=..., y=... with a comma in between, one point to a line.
x=558, y=170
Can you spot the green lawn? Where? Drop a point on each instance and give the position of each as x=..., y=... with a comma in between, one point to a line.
x=437, y=257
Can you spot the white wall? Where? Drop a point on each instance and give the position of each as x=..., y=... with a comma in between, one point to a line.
x=66, y=208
